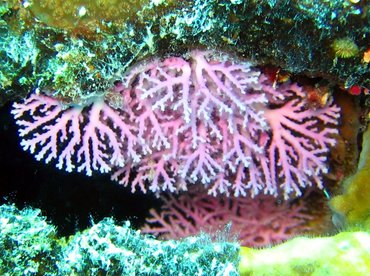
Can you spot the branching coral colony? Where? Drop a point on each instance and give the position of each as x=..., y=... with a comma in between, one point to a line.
x=206, y=118
x=257, y=222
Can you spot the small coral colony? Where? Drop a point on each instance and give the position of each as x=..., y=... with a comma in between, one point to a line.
x=207, y=118
x=203, y=119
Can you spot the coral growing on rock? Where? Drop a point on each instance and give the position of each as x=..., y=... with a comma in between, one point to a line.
x=29, y=246
x=208, y=119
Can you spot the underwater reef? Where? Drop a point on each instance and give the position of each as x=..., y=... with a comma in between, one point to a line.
x=73, y=49
x=212, y=120
x=29, y=246
x=220, y=137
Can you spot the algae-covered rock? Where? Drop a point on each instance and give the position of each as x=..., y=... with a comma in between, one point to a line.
x=354, y=203
x=29, y=246
x=28, y=243
x=80, y=48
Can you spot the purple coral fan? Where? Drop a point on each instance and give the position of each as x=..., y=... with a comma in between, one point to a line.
x=206, y=119
x=258, y=222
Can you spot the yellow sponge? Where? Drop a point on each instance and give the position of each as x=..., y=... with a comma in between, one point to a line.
x=354, y=203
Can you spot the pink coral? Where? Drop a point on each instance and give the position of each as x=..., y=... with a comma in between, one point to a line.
x=257, y=222
x=88, y=140
x=207, y=119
